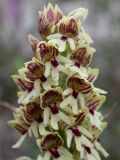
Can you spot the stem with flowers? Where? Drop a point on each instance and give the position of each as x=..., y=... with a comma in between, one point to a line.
x=59, y=103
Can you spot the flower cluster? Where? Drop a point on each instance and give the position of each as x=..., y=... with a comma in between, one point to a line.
x=59, y=104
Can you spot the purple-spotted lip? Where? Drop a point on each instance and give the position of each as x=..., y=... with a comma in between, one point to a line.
x=43, y=78
x=54, y=108
x=64, y=38
x=54, y=62
x=54, y=152
x=75, y=131
x=75, y=94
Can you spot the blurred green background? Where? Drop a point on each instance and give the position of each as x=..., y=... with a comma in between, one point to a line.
x=17, y=19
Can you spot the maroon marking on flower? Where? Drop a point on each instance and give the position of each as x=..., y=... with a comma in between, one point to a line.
x=80, y=57
x=80, y=118
x=75, y=94
x=54, y=108
x=30, y=76
x=64, y=38
x=51, y=97
x=39, y=119
x=77, y=64
x=88, y=150
x=91, y=111
x=75, y=131
x=72, y=28
x=33, y=67
x=54, y=62
x=43, y=78
x=43, y=26
x=54, y=153
x=25, y=85
x=69, y=28
x=32, y=111
x=51, y=142
x=47, y=52
x=21, y=128
x=93, y=104
x=43, y=48
x=50, y=15
x=78, y=84
x=90, y=78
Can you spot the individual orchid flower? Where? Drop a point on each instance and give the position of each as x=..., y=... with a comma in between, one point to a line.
x=35, y=70
x=26, y=119
x=81, y=57
x=68, y=29
x=28, y=90
x=48, y=18
x=77, y=88
x=94, y=102
x=53, y=149
x=49, y=55
x=50, y=101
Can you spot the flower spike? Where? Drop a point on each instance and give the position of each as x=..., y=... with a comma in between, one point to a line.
x=59, y=103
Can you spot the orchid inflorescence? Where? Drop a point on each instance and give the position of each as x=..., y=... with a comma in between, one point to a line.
x=59, y=104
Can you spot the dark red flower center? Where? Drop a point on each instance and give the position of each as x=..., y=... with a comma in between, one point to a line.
x=39, y=119
x=88, y=150
x=54, y=62
x=54, y=153
x=54, y=108
x=91, y=111
x=77, y=64
x=75, y=94
x=64, y=38
x=75, y=131
x=43, y=78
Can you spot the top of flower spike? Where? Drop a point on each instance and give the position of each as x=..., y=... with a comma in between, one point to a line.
x=50, y=16
x=47, y=18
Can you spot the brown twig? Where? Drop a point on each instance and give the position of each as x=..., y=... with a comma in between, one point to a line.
x=7, y=105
